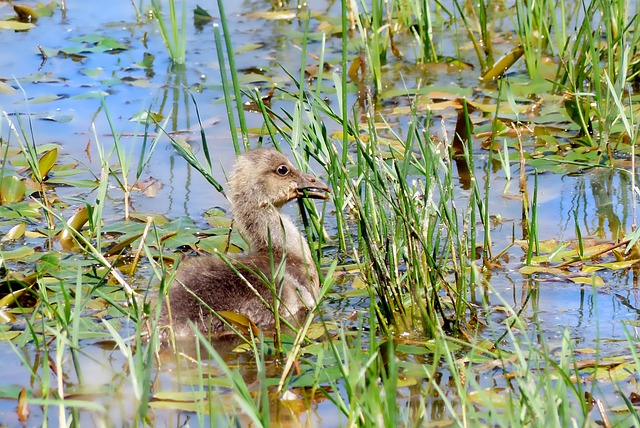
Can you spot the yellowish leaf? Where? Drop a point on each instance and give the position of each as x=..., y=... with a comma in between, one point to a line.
x=46, y=162
x=273, y=15
x=589, y=280
x=15, y=25
x=16, y=232
x=239, y=321
x=76, y=222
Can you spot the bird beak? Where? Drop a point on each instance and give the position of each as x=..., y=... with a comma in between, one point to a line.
x=311, y=187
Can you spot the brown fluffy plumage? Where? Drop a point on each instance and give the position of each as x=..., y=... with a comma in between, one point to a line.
x=263, y=181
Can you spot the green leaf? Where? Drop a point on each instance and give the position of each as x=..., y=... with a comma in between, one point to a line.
x=145, y=116
x=53, y=117
x=46, y=10
x=16, y=254
x=19, y=210
x=92, y=72
x=201, y=16
x=43, y=99
x=15, y=25
x=147, y=60
x=48, y=263
x=90, y=95
x=212, y=244
x=6, y=336
x=10, y=299
x=12, y=189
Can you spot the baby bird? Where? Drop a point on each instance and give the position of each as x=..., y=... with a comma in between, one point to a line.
x=262, y=181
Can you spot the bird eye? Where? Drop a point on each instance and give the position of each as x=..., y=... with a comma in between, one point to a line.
x=282, y=170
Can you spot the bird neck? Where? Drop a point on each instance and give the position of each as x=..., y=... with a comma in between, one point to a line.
x=267, y=229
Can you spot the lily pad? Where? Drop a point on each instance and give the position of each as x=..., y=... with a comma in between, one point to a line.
x=17, y=254
x=12, y=189
x=16, y=25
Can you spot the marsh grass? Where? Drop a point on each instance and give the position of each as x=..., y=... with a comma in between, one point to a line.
x=174, y=33
x=414, y=246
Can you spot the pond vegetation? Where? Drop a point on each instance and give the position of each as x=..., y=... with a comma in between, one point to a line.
x=478, y=254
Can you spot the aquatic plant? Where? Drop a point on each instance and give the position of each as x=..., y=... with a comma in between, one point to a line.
x=174, y=34
x=417, y=229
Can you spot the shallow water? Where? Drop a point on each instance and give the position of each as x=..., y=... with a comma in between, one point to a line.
x=593, y=316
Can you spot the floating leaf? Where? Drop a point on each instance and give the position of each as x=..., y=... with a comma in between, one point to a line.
x=180, y=395
x=16, y=232
x=12, y=189
x=101, y=43
x=47, y=9
x=145, y=116
x=623, y=264
x=16, y=254
x=53, y=117
x=191, y=401
x=88, y=184
x=320, y=329
x=141, y=82
x=6, y=89
x=43, y=99
x=530, y=270
x=248, y=48
x=147, y=60
x=158, y=219
x=46, y=162
x=9, y=335
x=175, y=239
x=201, y=17
x=589, y=280
x=19, y=210
x=34, y=234
x=76, y=222
x=6, y=317
x=90, y=95
x=120, y=246
x=92, y=72
x=273, y=15
x=23, y=406
x=149, y=187
x=254, y=78
x=217, y=221
x=16, y=25
x=494, y=397
x=503, y=64
x=25, y=13
x=49, y=263
x=10, y=299
x=213, y=244
x=241, y=322
x=616, y=374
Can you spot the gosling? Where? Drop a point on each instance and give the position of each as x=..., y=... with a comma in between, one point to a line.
x=263, y=180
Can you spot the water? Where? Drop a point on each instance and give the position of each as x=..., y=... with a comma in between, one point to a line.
x=593, y=316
